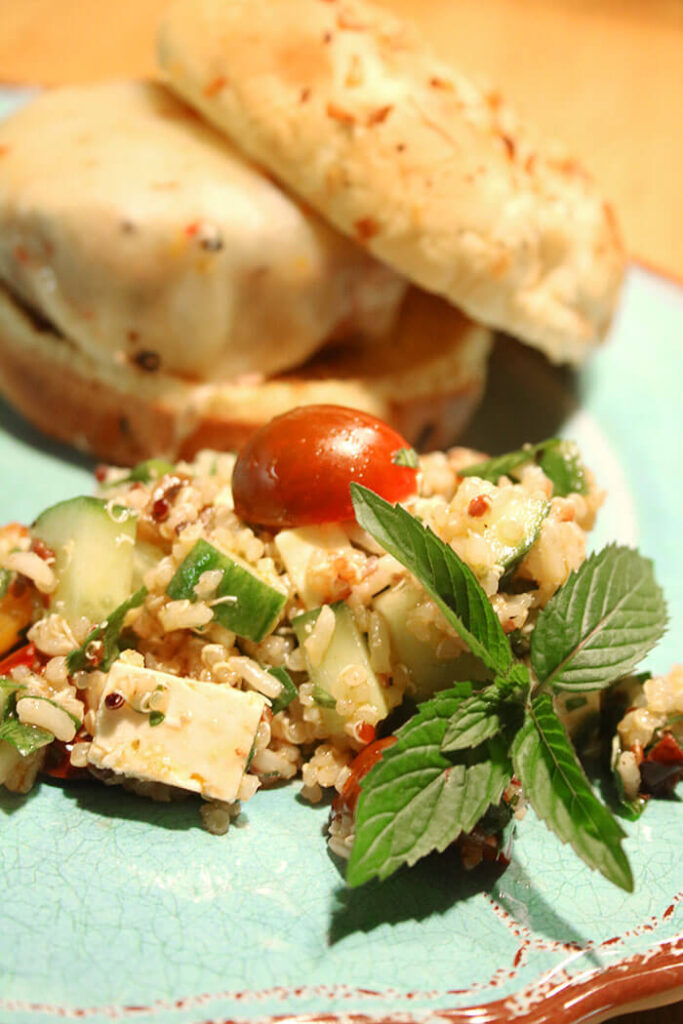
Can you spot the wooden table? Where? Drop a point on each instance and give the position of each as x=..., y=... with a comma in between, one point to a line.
x=605, y=76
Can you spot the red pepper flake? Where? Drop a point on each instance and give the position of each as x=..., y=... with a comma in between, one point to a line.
x=479, y=506
x=160, y=510
x=339, y=114
x=24, y=656
x=101, y=473
x=510, y=145
x=662, y=769
x=133, y=336
x=305, y=95
x=379, y=115
x=365, y=229
x=114, y=700
x=666, y=751
x=42, y=550
x=345, y=22
x=18, y=586
x=441, y=83
x=192, y=229
x=215, y=86
x=20, y=254
x=147, y=360
x=365, y=732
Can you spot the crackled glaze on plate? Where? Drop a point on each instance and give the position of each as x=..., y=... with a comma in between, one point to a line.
x=119, y=909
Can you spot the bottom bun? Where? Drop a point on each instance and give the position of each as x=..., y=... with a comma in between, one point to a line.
x=425, y=379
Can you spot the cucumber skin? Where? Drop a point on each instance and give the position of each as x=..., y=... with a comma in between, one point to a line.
x=347, y=647
x=95, y=574
x=258, y=605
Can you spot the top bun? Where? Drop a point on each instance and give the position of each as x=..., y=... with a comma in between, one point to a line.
x=351, y=111
x=144, y=238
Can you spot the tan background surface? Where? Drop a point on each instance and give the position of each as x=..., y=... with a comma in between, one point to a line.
x=605, y=76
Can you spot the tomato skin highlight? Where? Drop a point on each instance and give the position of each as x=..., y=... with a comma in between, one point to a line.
x=297, y=469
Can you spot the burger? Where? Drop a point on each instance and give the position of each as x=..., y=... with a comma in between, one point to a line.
x=311, y=208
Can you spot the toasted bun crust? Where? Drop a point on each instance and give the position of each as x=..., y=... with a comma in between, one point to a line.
x=425, y=378
x=345, y=106
x=142, y=235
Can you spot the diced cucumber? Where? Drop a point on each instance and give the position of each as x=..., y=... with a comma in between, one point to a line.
x=243, y=602
x=9, y=759
x=428, y=672
x=298, y=548
x=511, y=524
x=93, y=543
x=347, y=647
x=145, y=557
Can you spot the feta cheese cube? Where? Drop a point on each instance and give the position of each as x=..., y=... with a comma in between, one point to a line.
x=200, y=740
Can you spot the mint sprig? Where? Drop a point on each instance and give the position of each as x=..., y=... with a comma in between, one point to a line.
x=418, y=799
x=451, y=760
x=600, y=624
x=444, y=575
x=560, y=794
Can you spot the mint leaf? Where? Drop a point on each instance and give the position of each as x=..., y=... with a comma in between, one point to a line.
x=101, y=646
x=26, y=738
x=559, y=460
x=599, y=625
x=480, y=717
x=441, y=572
x=405, y=457
x=322, y=698
x=288, y=692
x=556, y=787
x=502, y=465
x=561, y=463
x=145, y=472
x=418, y=799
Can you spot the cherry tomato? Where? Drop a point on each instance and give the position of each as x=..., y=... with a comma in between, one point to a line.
x=296, y=470
x=359, y=768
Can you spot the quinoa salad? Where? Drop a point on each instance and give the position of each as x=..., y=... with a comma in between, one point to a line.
x=155, y=637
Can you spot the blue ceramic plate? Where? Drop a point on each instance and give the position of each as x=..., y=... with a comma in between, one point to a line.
x=114, y=908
